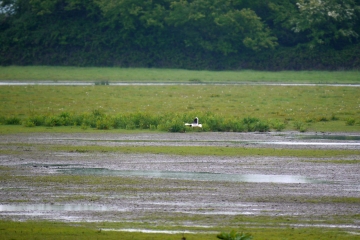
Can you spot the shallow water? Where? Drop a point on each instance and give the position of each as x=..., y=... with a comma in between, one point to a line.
x=336, y=144
x=157, y=231
x=343, y=141
x=331, y=137
x=196, y=176
x=53, y=207
x=81, y=83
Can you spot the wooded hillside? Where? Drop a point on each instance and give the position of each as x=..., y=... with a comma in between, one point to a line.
x=191, y=34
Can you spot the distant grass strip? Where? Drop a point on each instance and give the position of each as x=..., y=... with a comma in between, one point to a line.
x=197, y=151
x=56, y=230
x=208, y=151
x=42, y=73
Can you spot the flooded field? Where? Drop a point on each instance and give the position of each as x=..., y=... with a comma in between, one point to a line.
x=180, y=190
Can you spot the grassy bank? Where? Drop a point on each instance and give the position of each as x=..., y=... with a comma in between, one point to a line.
x=210, y=151
x=201, y=151
x=54, y=230
x=35, y=73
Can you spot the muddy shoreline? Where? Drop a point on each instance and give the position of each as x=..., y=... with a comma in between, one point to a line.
x=179, y=190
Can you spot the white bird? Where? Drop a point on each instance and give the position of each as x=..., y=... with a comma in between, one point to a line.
x=195, y=123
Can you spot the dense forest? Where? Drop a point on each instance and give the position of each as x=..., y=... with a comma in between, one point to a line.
x=190, y=34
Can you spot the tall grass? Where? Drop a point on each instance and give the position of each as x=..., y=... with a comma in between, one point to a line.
x=170, y=122
x=167, y=122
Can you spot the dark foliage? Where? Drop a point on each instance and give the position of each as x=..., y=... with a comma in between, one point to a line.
x=199, y=34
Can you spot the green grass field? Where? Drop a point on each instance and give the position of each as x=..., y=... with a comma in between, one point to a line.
x=35, y=73
x=56, y=231
x=315, y=108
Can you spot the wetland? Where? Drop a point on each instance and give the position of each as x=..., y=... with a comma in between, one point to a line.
x=86, y=177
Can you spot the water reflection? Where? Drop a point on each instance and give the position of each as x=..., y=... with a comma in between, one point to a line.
x=331, y=137
x=196, y=176
x=53, y=207
x=157, y=231
x=336, y=144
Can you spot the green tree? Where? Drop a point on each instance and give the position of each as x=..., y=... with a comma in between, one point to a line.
x=323, y=22
x=139, y=24
x=217, y=25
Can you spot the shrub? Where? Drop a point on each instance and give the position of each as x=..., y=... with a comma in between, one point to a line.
x=2, y=120
x=104, y=123
x=78, y=120
x=278, y=125
x=37, y=120
x=66, y=119
x=261, y=127
x=53, y=121
x=350, y=122
x=97, y=113
x=119, y=122
x=300, y=126
x=234, y=125
x=130, y=126
x=166, y=122
x=334, y=117
x=176, y=126
x=233, y=235
x=254, y=124
x=322, y=119
x=90, y=119
x=205, y=128
x=153, y=127
x=310, y=120
x=12, y=121
x=142, y=120
x=28, y=123
x=215, y=123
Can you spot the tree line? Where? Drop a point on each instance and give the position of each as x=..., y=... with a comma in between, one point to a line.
x=191, y=34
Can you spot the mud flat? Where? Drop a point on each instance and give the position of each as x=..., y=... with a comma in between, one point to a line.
x=182, y=190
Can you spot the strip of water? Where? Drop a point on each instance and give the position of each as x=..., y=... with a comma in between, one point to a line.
x=313, y=143
x=195, y=176
x=158, y=231
x=75, y=83
x=332, y=137
x=54, y=207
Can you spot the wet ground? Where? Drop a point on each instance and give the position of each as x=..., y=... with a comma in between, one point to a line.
x=112, y=83
x=162, y=189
